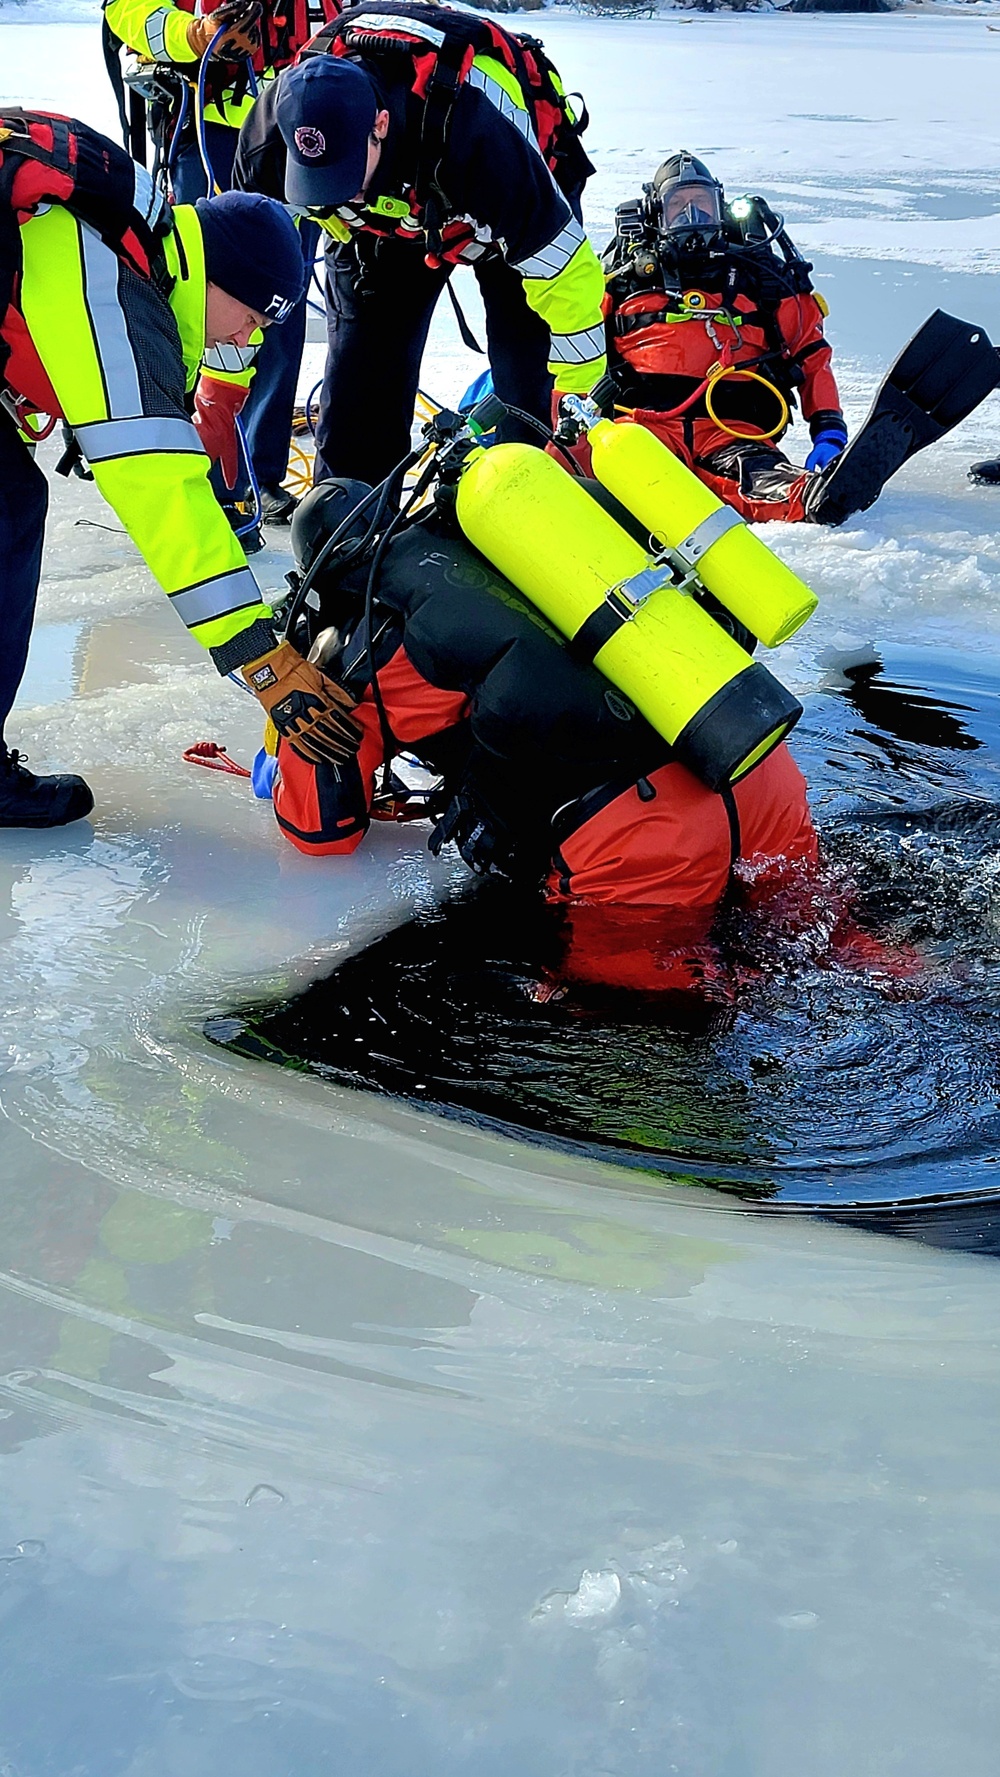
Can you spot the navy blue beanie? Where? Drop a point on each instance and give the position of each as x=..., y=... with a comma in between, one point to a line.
x=252, y=251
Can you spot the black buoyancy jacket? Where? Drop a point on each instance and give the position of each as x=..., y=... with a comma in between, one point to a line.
x=544, y=729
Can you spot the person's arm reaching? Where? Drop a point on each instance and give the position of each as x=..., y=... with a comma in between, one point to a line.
x=800, y=319
x=171, y=33
x=110, y=347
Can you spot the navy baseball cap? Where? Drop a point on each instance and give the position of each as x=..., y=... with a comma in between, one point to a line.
x=325, y=109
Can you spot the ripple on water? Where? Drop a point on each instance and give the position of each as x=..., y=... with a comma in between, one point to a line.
x=840, y=1050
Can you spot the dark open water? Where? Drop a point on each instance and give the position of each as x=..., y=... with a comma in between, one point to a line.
x=839, y=1053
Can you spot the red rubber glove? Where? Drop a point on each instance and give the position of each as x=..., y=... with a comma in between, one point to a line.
x=216, y=408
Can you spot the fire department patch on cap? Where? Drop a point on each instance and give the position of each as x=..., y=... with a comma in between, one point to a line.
x=310, y=142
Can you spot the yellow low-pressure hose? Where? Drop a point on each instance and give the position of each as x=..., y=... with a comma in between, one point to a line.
x=752, y=376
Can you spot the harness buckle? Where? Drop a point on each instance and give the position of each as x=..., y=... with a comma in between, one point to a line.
x=634, y=592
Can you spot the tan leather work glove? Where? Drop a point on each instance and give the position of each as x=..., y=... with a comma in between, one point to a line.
x=309, y=711
x=241, y=39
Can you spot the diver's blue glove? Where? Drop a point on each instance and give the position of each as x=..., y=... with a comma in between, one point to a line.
x=827, y=444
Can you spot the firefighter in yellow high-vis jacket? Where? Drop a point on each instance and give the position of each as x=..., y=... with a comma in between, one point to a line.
x=106, y=320
x=222, y=50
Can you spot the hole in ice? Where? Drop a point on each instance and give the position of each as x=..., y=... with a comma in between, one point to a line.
x=841, y=1054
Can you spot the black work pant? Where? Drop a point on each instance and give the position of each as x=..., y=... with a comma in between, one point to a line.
x=24, y=499
x=380, y=297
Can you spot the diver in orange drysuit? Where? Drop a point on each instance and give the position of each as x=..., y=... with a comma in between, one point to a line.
x=549, y=774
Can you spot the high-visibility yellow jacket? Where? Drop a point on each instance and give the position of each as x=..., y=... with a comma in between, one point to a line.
x=93, y=342
x=157, y=31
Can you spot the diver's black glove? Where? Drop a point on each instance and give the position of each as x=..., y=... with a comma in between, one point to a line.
x=482, y=840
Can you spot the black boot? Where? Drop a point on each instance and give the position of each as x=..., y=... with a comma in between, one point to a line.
x=987, y=473
x=277, y=505
x=30, y=801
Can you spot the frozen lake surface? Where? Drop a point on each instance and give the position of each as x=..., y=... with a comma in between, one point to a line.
x=341, y=1437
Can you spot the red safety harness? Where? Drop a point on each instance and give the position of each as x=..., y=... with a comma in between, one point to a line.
x=49, y=159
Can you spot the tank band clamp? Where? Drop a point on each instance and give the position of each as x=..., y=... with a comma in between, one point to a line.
x=688, y=554
x=618, y=606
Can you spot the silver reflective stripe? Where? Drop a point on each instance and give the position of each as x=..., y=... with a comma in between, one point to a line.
x=156, y=26
x=515, y=114
x=230, y=358
x=549, y=261
x=114, y=348
x=391, y=21
x=149, y=199
x=107, y=439
x=705, y=534
x=577, y=348
x=217, y=597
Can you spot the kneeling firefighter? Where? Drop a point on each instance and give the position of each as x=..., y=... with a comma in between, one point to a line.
x=714, y=332
x=548, y=773
x=108, y=301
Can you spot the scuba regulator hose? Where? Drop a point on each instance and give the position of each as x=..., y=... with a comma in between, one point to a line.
x=378, y=497
x=752, y=376
x=708, y=386
x=390, y=745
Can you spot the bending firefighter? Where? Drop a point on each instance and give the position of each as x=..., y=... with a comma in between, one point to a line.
x=194, y=71
x=715, y=333
x=548, y=773
x=108, y=302
x=425, y=137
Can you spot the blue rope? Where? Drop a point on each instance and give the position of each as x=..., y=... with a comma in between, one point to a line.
x=200, y=109
x=254, y=520
x=178, y=126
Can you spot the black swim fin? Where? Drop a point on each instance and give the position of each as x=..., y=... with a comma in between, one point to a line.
x=947, y=369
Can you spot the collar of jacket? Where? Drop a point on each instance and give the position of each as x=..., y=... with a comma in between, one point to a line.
x=185, y=254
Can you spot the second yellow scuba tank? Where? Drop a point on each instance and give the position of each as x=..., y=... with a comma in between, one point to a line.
x=702, y=532
x=721, y=711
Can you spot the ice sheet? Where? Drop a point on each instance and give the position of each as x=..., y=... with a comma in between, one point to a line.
x=339, y=1439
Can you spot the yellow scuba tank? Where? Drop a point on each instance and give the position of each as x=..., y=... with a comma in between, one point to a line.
x=721, y=711
x=703, y=532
